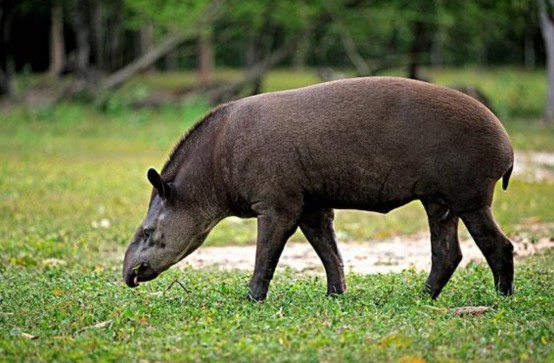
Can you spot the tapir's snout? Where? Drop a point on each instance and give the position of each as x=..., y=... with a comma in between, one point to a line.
x=139, y=272
x=136, y=271
x=131, y=278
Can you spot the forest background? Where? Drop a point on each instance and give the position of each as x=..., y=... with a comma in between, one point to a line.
x=93, y=47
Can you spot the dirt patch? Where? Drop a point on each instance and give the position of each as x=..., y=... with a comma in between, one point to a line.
x=376, y=256
x=534, y=166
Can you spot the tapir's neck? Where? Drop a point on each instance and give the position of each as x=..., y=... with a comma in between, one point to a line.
x=196, y=173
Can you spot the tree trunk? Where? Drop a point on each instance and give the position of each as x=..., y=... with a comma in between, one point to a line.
x=299, y=58
x=254, y=74
x=348, y=43
x=7, y=87
x=101, y=88
x=254, y=59
x=168, y=44
x=113, y=81
x=82, y=30
x=254, y=52
x=529, y=55
x=547, y=28
x=57, y=43
x=97, y=24
x=171, y=60
x=418, y=42
x=114, y=55
x=205, y=58
x=146, y=42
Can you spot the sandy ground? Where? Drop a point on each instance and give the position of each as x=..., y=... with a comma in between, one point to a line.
x=537, y=166
x=377, y=256
x=388, y=255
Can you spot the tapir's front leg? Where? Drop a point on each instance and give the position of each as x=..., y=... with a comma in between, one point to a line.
x=273, y=232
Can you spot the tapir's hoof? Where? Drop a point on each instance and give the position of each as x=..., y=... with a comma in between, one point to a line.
x=338, y=289
x=335, y=293
x=429, y=291
x=506, y=289
x=253, y=297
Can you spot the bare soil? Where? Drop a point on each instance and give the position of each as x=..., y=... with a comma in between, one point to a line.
x=375, y=256
x=534, y=166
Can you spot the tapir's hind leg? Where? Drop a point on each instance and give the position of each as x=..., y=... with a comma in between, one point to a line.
x=496, y=247
x=317, y=226
x=445, y=247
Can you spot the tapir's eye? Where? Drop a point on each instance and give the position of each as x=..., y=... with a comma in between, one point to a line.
x=147, y=232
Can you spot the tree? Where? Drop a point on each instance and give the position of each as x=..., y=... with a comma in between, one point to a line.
x=547, y=26
x=111, y=40
x=273, y=32
x=57, y=43
x=206, y=62
x=81, y=23
x=6, y=61
x=195, y=18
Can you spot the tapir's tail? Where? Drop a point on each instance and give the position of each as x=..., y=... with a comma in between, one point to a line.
x=506, y=177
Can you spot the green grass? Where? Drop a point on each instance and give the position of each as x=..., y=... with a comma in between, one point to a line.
x=73, y=188
x=381, y=318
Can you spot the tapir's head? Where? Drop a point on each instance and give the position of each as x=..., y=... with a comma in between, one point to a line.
x=170, y=231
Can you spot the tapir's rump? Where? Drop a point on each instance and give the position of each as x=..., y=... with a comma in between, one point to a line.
x=290, y=158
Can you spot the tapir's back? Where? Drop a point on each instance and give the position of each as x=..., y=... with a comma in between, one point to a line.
x=368, y=143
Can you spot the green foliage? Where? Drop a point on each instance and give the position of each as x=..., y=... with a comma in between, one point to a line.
x=255, y=16
x=165, y=15
x=454, y=32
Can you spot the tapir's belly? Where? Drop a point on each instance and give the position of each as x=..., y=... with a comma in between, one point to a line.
x=364, y=189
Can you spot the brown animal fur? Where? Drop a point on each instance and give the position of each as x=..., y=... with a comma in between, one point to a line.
x=289, y=158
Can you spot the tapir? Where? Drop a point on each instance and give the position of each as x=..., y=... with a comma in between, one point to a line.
x=290, y=158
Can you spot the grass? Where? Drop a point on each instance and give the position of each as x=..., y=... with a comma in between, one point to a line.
x=73, y=189
x=83, y=313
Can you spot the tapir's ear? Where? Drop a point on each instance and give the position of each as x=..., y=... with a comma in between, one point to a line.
x=163, y=188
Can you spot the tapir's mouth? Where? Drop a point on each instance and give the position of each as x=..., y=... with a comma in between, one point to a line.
x=139, y=273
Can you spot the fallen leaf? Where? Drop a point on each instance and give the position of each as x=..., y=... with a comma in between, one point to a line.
x=398, y=340
x=531, y=220
x=104, y=324
x=435, y=308
x=411, y=359
x=29, y=336
x=104, y=223
x=57, y=292
x=54, y=262
x=62, y=337
x=471, y=310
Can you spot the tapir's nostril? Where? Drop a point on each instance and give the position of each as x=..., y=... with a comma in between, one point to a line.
x=132, y=277
x=138, y=273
